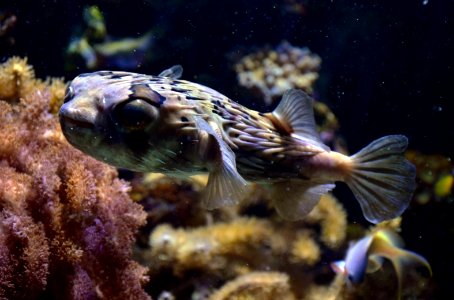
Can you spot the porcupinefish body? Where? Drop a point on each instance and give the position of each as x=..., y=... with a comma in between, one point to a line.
x=164, y=124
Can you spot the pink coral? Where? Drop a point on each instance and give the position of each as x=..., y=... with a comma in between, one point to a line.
x=67, y=223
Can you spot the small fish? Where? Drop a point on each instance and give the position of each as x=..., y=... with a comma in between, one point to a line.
x=366, y=256
x=127, y=53
x=167, y=125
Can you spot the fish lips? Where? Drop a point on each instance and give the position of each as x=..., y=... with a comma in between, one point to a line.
x=79, y=131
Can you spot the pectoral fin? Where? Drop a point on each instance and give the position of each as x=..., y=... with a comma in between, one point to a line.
x=296, y=198
x=225, y=185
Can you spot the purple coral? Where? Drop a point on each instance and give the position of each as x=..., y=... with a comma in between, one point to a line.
x=66, y=222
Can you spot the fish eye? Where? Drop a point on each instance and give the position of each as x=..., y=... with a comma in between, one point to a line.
x=69, y=94
x=134, y=115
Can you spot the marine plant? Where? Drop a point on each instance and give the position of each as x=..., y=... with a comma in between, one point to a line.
x=190, y=251
x=256, y=285
x=67, y=223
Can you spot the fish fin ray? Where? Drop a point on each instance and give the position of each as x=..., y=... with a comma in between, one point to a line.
x=374, y=264
x=381, y=179
x=295, y=199
x=174, y=72
x=295, y=112
x=225, y=185
x=384, y=246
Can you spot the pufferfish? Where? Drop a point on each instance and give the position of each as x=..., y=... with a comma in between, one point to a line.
x=180, y=128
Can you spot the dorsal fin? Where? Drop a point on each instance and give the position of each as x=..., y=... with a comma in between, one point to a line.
x=174, y=72
x=296, y=116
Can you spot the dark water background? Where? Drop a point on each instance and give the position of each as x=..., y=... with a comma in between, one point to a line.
x=387, y=66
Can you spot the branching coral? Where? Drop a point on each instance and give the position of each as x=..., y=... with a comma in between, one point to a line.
x=223, y=248
x=22, y=273
x=17, y=81
x=243, y=256
x=305, y=249
x=207, y=252
x=256, y=285
x=272, y=72
x=67, y=223
x=333, y=219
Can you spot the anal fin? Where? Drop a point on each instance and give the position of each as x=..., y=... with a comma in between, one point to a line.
x=225, y=185
x=294, y=199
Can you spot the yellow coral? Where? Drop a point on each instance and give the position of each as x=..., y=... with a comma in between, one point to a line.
x=56, y=88
x=393, y=224
x=333, y=218
x=216, y=247
x=256, y=285
x=305, y=249
x=443, y=186
x=272, y=72
x=327, y=292
x=17, y=80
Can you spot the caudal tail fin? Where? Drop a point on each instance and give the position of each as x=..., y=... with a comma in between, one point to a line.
x=381, y=179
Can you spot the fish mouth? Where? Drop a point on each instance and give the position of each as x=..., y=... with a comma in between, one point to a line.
x=79, y=133
x=74, y=123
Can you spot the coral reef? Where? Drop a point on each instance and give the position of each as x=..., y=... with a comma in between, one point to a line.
x=434, y=175
x=226, y=249
x=271, y=72
x=67, y=223
x=17, y=81
x=249, y=252
x=256, y=285
x=201, y=251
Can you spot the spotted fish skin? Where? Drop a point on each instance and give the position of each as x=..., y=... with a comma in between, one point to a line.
x=262, y=151
x=164, y=124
